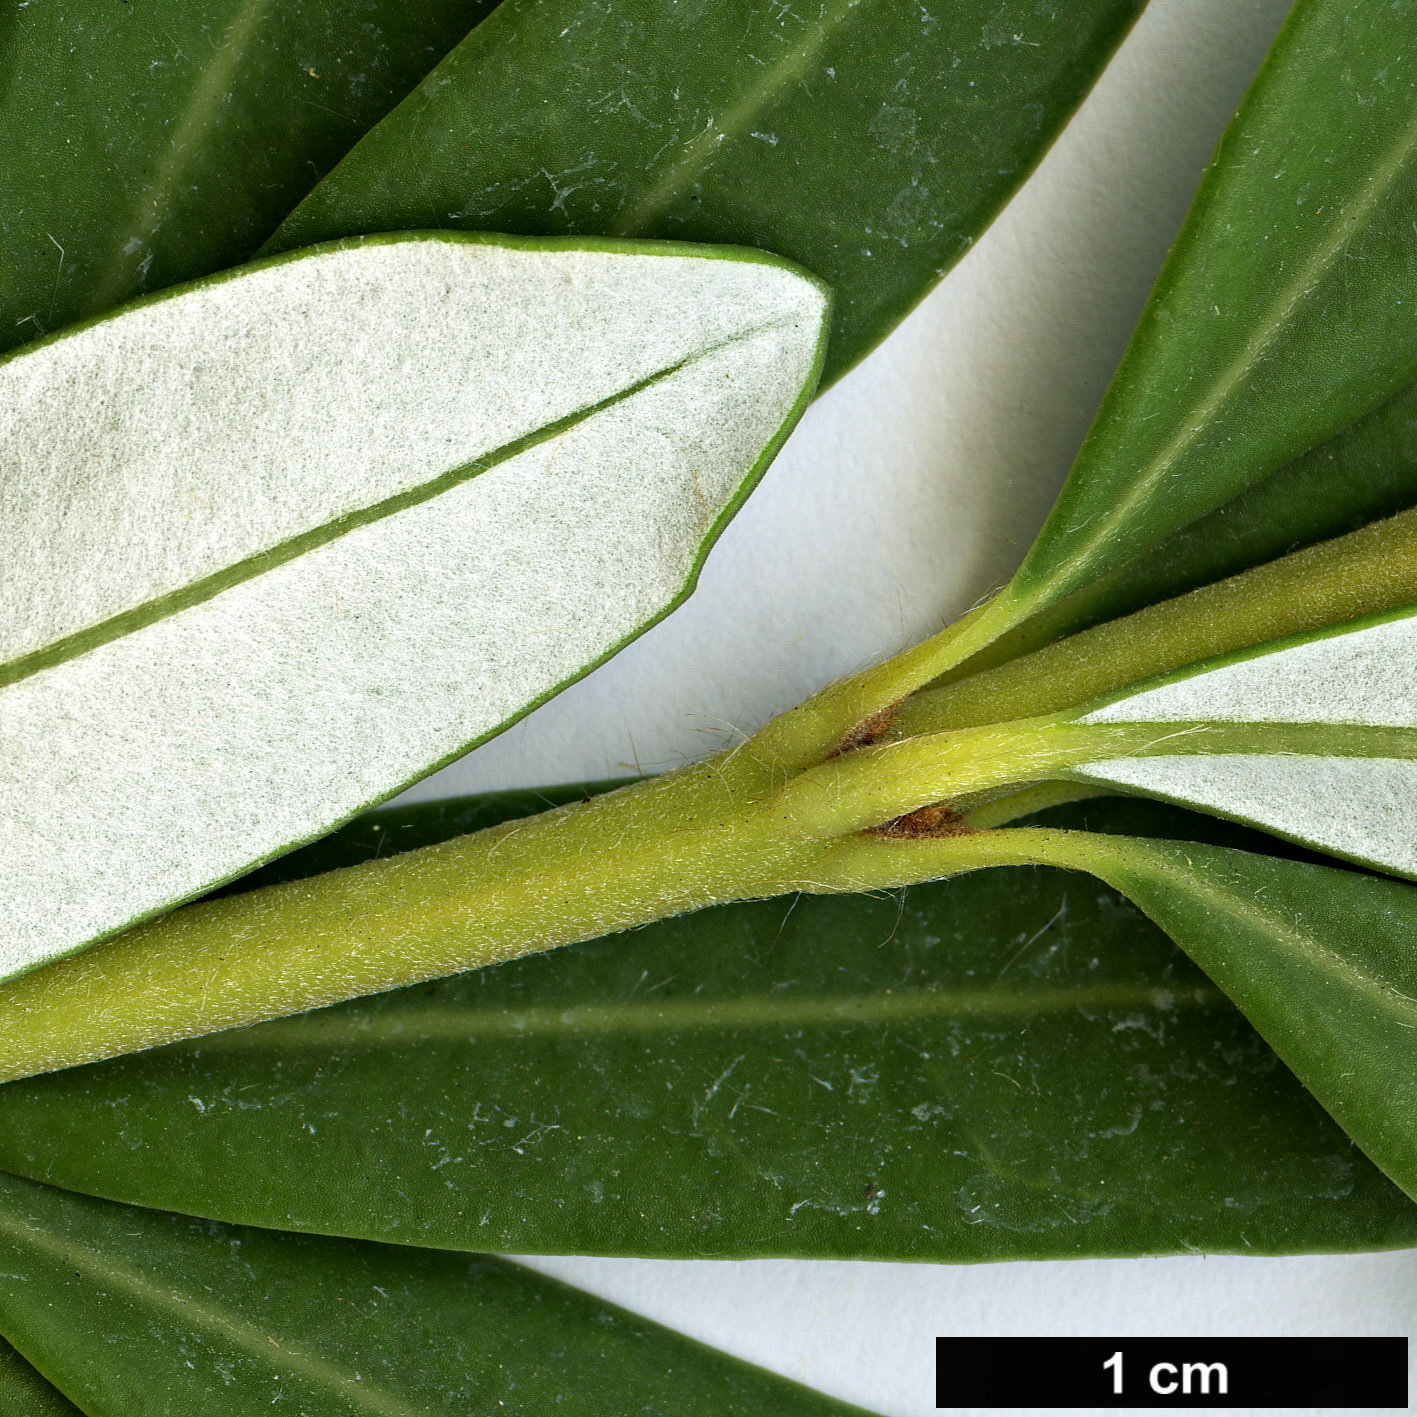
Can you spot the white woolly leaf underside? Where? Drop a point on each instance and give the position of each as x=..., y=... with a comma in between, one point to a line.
x=1359, y=807
x=182, y=437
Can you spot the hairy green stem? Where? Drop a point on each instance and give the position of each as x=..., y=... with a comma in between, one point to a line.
x=617, y=862
x=1367, y=571
x=877, y=784
x=819, y=726
x=828, y=797
x=699, y=837
x=997, y=809
x=871, y=862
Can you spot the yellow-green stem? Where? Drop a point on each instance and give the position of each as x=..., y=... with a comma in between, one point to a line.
x=790, y=810
x=708, y=834
x=876, y=784
x=882, y=863
x=814, y=729
x=998, y=808
x=671, y=845
x=1368, y=571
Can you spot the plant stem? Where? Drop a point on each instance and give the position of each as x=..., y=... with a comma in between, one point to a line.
x=873, y=785
x=673, y=844
x=818, y=727
x=1366, y=572
x=869, y=862
x=997, y=809
x=708, y=834
x=824, y=798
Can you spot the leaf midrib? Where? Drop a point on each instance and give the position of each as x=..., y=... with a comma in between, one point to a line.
x=698, y=154
x=194, y=593
x=1177, y=738
x=1387, y=996
x=435, y=1024
x=1234, y=376
x=201, y=1312
x=208, y=95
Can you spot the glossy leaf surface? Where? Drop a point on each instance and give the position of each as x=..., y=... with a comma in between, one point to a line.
x=1319, y=959
x=1313, y=737
x=1365, y=473
x=352, y=512
x=869, y=140
x=134, y=1313
x=1013, y=1064
x=23, y=1393
x=1284, y=312
x=146, y=144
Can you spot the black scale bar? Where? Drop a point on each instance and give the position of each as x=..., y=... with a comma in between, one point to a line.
x=1171, y=1372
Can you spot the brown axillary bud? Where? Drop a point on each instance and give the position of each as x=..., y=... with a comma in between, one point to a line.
x=923, y=823
x=866, y=732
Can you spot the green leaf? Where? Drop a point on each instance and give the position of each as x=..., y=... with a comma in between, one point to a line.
x=1366, y=473
x=146, y=144
x=1285, y=312
x=869, y=140
x=23, y=1393
x=1319, y=959
x=1369, y=571
x=134, y=1313
x=358, y=510
x=1313, y=737
x=1012, y=1064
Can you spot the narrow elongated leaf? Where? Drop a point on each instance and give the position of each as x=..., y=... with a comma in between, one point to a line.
x=23, y=1393
x=138, y=1314
x=1314, y=737
x=1285, y=310
x=153, y=143
x=339, y=517
x=869, y=140
x=1319, y=959
x=1013, y=1064
x=1364, y=474
x=1370, y=571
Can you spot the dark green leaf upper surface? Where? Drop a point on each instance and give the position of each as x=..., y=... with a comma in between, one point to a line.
x=23, y=1393
x=138, y=1314
x=1365, y=473
x=150, y=143
x=1285, y=311
x=1319, y=959
x=871, y=141
x=1012, y=1064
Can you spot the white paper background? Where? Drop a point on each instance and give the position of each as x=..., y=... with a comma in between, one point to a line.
x=908, y=491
